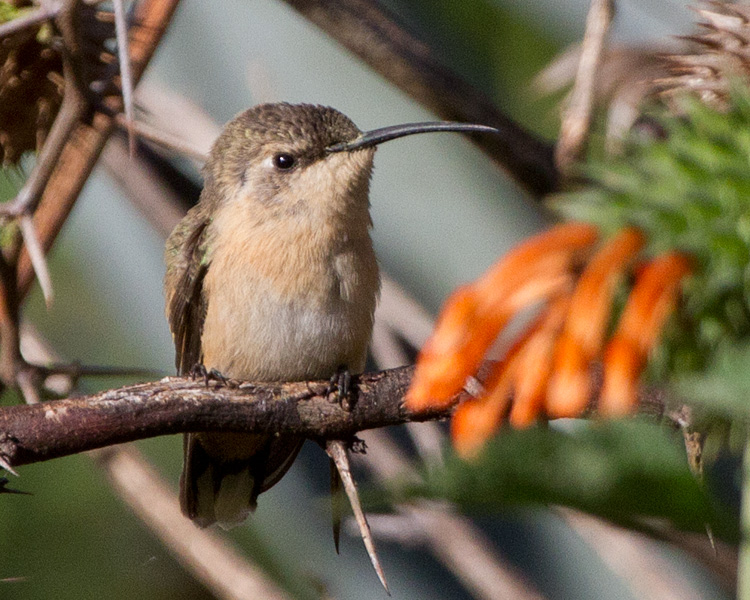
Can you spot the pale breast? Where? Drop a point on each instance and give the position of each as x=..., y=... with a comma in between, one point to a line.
x=288, y=309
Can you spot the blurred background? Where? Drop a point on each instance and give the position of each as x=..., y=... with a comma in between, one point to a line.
x=442, y=213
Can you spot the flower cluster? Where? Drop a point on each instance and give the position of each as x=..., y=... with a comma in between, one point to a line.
x=547, y=370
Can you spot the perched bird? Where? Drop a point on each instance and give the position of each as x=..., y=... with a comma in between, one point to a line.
x=272, y=277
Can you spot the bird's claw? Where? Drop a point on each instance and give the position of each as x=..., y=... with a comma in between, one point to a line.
x=341, y=385
x=199, y=371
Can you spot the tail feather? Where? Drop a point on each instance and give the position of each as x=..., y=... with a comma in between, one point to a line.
x=220, y=486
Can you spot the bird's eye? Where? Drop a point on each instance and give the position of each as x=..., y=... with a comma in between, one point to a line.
x=283, y=161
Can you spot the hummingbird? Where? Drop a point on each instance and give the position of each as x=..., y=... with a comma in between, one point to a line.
x=272, y=276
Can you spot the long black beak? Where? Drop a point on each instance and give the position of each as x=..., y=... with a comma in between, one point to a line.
x=384, y=134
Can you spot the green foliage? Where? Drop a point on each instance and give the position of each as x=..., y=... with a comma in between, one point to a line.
x=628, y=472
x=688, y=190
x=723, y=386
x=8, y=12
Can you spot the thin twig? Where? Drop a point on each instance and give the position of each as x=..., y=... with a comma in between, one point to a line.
x=32, y=19
x=427, y=437
x=143, y=186
x=177, y=115
x=212, y=559
x=11, y=361
x=576, y=121
x=26, y=381
x=404, y=314
x=633, y=557
x=336, y=449
x=126, y=76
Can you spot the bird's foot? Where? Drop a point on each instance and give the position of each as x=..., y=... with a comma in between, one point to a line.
x=200, y=371
x=340, y=384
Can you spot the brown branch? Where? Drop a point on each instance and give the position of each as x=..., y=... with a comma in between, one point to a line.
x=42, y=431
x=174, y=405
x=372, y=33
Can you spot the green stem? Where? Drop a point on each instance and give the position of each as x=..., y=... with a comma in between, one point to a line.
x=743, y=575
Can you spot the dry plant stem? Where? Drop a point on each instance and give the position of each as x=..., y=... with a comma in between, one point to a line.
x=403, y=314
x=144, y=187
x=37, y=257
x=372, y=33
x=631, y=556
x=81, y=149
x=213, y=560
x=454, y=539
x=720, y=559
x=337, y=450
x=576, y=120
x=162, y=138
x=427, y=437
x=10, y=354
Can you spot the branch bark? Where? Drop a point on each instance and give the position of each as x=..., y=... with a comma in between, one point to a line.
x=39, y=432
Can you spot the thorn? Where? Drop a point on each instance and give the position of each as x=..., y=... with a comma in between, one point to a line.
x=38, y=260
x=336, y=449
x=126, y=77
x=6, y=465
x=336, y=505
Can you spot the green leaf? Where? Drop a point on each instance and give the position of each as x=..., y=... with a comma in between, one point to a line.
x=627, y=472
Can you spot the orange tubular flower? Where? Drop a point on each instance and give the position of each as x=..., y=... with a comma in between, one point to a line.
x=535, y=365
x=548, y=368
x=583, y=335
x=475, y=315
x=648, y=307
x=478, y=419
